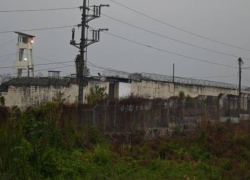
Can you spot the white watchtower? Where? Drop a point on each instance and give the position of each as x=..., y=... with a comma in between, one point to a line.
x=24, y=66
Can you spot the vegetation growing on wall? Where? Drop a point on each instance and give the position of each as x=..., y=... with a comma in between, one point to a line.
x=181, y=94
x=95, y=94
x=59, y=97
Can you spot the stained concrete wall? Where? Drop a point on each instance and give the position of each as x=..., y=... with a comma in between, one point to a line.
x=26, y=96
x=35, y=95
x=152, y=89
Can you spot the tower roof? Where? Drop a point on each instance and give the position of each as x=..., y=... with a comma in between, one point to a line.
x=28, y=35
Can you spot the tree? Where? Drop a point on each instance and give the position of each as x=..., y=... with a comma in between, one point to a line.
x=2, y=101
x=181, y=94
x=96, y=93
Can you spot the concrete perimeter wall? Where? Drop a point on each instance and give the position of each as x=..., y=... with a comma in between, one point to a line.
x=25, y=96
x=152, y=89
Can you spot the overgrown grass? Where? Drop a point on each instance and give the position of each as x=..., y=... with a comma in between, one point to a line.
x=38, y=146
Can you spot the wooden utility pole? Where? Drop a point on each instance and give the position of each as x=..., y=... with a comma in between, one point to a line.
x=239, y=97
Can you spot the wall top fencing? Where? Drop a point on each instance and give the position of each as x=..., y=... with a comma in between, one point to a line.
x=182, y=80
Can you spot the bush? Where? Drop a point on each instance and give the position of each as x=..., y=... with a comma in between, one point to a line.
x=96, y=93
x=2, y=101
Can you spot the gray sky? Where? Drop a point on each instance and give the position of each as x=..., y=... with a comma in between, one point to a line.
x=223, y=20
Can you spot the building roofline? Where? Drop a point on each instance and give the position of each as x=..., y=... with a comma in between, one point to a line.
x=24, y=34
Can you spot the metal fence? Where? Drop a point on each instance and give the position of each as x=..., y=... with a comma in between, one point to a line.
x=143, y=114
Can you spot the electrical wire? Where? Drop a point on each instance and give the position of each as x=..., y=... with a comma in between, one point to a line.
x=54, y=68
x=9, y=67
x=47, y=69
x=7, y=42
x=7, y=55
x=165, y=51
x=246, y=79
x=180, y=29
x=36, y=10
x=39, y=29
x=7, y=58
x=166, y=37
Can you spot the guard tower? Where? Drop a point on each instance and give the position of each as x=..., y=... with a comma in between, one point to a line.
x=24, y=66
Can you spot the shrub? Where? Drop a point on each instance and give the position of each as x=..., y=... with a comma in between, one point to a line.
x=2, y=101
x=96, y=93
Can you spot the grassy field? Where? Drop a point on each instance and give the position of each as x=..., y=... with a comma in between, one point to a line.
x=35, y=146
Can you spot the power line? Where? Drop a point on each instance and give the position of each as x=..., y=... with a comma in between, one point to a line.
x=39, y=29
x=48, y=69
x=246, y=79
x=7, y=55
x=7, y=58
x=36, y=10
x=166, y=37
x=7, y=42
x=180, y=29
x=8, y=67
x=54, y=68
x=169, y=52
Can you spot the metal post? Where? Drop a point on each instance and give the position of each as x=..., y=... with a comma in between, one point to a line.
x=176, y=106
x=195, y=106
x=115, y=118
x=159, y=120
x=218, y=108
x=93, y=116
x=134, y=119
x=81, y=116
x=105, y=119
x=174, y=77
x=168, y=115
x=152, y=106
x=239, y=98
x=143, y=121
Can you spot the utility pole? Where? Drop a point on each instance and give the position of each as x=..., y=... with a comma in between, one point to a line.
x=82, y=71
x=240, y=72
x=174, y=77
x=82, y=52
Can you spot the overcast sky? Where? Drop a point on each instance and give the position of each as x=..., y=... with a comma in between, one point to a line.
x=222, y=20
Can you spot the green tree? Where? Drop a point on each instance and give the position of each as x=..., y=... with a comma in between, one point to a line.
x=2, y=101
x=181, y=94
x=96, y=93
